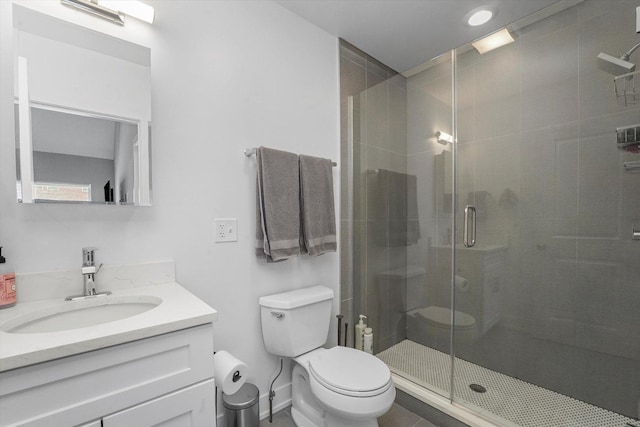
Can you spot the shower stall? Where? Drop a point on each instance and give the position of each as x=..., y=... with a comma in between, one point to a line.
x=491, y=220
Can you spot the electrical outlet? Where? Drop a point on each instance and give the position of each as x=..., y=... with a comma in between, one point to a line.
x=225, y=230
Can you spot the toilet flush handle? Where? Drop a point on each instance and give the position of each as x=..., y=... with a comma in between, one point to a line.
x=277, y=314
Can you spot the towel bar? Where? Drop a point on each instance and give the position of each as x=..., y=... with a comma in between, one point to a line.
x=252, y=151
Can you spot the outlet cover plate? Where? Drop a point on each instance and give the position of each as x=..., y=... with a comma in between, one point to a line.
x=225, y=230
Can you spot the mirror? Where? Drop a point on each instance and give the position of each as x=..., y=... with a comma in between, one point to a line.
x=83, y=114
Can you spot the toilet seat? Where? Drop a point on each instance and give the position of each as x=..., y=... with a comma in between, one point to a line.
x=348, y=382
x=441, y=317
x=350, y=372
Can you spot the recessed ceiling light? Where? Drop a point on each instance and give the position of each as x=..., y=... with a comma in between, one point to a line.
x=479, y=16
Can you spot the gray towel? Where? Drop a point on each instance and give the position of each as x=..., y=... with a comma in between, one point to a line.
x=397, y=209
x=278, y=205
x=317, y=205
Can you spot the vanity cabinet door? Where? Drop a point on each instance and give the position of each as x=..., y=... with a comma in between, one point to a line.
x=190, y=407
x=73, y=390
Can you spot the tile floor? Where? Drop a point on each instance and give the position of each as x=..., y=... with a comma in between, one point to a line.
x=396, y=417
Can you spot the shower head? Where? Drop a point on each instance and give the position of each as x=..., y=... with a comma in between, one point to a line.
x=613, y=65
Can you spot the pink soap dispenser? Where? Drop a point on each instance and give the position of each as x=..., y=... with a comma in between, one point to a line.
x=7, y=284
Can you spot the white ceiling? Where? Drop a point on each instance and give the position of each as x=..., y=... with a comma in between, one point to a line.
x=406, y=33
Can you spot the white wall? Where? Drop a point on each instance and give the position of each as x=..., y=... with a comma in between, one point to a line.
x=65, y=75
x=226, y=75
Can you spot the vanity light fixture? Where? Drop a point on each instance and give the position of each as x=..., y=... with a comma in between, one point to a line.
x=493, y=41
x=133, y=8
x=95, y=9
x=113, y=10
x=479, y=16
x=444, y=138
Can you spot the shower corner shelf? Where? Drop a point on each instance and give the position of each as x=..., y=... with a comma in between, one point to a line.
x=627, y=88
x=632, y=167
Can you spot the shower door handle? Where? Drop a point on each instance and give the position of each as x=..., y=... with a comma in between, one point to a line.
x=469, y=238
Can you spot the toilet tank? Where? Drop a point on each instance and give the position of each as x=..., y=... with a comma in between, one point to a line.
x=407, y=288
x=296, y=322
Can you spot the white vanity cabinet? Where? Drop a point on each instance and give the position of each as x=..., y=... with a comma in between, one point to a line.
x=190, y=407
x=163, y=380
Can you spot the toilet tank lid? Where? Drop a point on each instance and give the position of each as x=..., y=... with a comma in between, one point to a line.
x=297, y=298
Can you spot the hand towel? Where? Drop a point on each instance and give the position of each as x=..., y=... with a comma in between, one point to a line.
x=397, y=209
x=413, y=218
x=317, y=205
x=278, y=205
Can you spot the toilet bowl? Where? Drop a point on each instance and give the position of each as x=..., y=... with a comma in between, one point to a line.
x=352, y=386
x=427, y=323
x=337, y=387
x=431, y=326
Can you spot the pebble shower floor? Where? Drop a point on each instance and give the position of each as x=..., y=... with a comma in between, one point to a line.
x=508, y=401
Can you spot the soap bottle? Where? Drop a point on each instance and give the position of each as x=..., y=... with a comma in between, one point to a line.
x=7, y=284
x=368, y=340
x=359, y=334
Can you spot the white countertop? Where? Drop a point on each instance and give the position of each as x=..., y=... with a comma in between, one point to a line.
x=179, y=310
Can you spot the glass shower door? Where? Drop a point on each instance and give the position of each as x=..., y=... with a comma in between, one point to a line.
x=551, y=286
x=430, y=160
x=402, y=219
x=546, y=301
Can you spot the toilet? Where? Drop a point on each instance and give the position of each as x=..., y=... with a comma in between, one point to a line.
x=427, y=323
x=336, y=387
x=431, y=326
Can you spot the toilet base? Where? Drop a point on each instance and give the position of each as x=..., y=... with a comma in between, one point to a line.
x=306, y=411
x=301, y=420
x=438, y=337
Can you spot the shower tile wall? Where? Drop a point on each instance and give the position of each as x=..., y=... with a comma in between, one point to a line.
x=379, y=142
x=537, y=155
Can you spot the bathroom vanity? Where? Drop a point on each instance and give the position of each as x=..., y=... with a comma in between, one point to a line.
x=153, y=367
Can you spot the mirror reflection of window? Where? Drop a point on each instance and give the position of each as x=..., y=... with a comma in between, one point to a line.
x=61, y=191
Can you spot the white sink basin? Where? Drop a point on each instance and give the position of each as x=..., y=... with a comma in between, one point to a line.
x=36, y=331
x=69, y=315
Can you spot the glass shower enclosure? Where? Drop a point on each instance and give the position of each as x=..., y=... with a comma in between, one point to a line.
x=492, y=237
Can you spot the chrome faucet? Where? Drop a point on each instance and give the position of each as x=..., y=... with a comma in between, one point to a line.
x=89, y=272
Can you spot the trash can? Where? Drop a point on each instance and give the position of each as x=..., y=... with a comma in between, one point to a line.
x=241, y=407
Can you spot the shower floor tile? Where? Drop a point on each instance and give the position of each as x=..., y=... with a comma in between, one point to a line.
x=507, y=401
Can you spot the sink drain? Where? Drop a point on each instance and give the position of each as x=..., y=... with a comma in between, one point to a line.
x=477, y=388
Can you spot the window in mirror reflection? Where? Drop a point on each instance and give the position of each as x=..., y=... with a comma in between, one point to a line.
x=58, y=191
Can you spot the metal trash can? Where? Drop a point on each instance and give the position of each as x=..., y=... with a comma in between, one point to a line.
x=241, y=407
